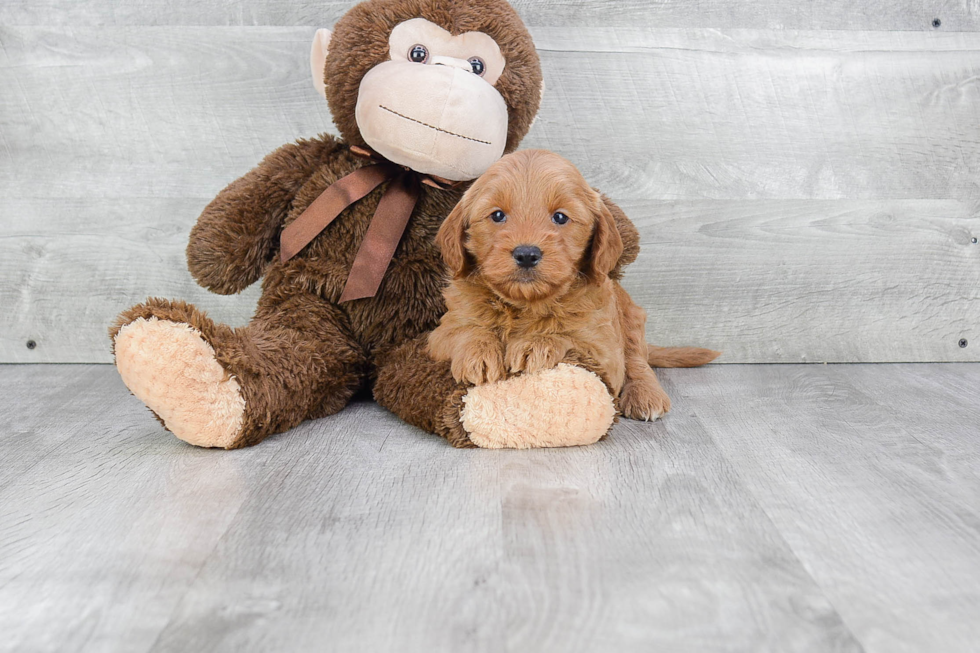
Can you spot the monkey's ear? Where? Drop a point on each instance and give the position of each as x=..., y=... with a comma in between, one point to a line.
x=540, y=102
x=318, y=59
x=451, y=240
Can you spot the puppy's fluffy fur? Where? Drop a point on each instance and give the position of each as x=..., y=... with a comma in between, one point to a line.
x=505, y=319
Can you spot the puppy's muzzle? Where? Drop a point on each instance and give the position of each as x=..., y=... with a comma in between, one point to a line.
x=527, y=256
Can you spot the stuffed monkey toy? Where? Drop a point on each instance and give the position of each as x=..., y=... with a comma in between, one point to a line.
x=426, y=95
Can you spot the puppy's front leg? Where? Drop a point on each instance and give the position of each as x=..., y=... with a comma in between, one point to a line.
x=479, y=358
x=530, y=354
x=643, y=398
x=475, y=353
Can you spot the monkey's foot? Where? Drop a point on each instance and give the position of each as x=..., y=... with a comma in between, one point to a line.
x=565, y=406
x=173, y=370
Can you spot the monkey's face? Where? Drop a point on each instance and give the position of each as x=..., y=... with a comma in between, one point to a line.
x=445, y=87
x=437, y=93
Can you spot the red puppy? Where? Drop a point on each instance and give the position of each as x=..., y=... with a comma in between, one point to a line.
x=531, y=246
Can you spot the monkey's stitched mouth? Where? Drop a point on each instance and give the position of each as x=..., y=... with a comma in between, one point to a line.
x=438, y=129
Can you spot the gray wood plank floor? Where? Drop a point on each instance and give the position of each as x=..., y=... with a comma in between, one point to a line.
x=777, y=508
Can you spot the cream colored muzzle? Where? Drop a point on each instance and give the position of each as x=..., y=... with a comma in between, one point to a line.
x=455, y=129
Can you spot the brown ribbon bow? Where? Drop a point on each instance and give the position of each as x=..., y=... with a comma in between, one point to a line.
x=386, y=228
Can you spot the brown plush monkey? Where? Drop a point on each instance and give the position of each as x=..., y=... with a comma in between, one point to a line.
x=440, y=88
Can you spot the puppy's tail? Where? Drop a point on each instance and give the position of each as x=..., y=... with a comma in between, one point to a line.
x=679, y=356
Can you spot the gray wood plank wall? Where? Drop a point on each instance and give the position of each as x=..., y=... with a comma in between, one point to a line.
x=806, y=176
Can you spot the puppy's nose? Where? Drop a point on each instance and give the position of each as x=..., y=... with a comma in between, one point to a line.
x=527, y=256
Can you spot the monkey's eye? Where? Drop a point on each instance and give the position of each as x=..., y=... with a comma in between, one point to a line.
x=559, y=218
x=498, y=217
x=418, y=54
x=479, y=68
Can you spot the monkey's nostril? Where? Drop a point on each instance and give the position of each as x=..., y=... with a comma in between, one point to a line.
x=527, y=256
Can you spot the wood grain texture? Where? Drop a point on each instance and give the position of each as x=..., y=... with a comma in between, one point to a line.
x=963, y=15
x=846, y=458
x=811, y=281
x=70, y=266
x=155, y=112
x=29, y=394
x=103, y=524
x=693, y=532
x=745, y=114
x=803, y=195
x=776, y=508
x=370, y=535
x=665, y=114
x=778, y=281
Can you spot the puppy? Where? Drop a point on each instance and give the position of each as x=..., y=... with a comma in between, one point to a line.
x=531, y=247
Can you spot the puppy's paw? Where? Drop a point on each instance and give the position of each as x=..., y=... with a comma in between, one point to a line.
x=643, y=401
x=532, y=355
x=481, y=363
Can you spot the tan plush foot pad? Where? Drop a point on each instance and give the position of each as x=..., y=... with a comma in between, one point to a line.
x=171, y=368
x=563, y=407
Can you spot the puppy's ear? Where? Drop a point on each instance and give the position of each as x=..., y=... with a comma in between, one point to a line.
x=606, y=246
x=451, y=239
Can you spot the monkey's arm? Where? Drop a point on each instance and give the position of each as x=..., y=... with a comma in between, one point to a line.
x=629, y=234
x=237, y=234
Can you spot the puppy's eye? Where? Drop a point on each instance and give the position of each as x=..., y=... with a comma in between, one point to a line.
x=498, y=217
x=559, y=218
x=418, y=54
